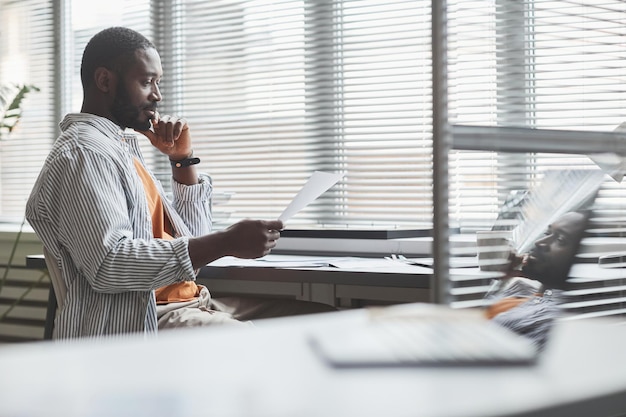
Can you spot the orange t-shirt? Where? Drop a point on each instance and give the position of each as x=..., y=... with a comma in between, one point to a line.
x=162, y=229
x=503, y=305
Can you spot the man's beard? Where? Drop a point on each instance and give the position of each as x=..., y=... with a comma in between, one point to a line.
x=551, y=272
x=126, y=114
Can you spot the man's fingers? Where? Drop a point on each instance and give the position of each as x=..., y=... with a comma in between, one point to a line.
x=150, y=135
x=169, y=128
x=273, y=235
x=169, y=133
x=180, y=125
x=274, y=224
x=156, y=118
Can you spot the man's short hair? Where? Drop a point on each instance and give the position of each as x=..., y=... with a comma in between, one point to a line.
x=113, y=48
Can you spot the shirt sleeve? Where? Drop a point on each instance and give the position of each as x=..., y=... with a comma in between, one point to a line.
x=193, y=204
x=104, y=224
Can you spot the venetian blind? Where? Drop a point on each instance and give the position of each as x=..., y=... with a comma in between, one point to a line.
x=550, y=66
x=27, y=56
x=276, y=90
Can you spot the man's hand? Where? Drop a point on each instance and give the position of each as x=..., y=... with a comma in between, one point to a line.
x=253, y=238
x=170, y=135
x=246, y=239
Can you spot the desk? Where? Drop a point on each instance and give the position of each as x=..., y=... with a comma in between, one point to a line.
x=345, y=286
x=373, y=279
x=349, y=271
x=270, y=370
x=289, y=268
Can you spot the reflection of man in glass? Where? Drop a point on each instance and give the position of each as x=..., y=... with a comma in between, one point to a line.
x=528, y=299
x=551, y=258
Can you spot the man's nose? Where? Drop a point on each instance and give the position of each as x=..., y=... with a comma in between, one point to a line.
x=543, y=242
x=156, y=93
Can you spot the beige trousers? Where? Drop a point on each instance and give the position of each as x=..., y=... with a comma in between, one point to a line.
x=208, y=311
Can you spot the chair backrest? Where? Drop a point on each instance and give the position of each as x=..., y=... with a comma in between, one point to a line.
x=58, y=284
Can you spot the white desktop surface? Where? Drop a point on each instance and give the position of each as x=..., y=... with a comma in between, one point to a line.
x=271, y=371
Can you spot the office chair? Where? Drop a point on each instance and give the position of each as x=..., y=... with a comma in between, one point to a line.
x=56, y=298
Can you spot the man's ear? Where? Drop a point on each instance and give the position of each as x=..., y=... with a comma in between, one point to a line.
x=105, y=80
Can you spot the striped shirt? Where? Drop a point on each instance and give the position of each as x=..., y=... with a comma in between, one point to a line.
x=534, y=317
x=89, y=208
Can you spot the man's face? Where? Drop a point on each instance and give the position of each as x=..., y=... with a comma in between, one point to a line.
x=551, y=258
x=138, y=92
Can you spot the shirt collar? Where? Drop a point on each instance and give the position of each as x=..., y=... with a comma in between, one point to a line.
x=106, y=126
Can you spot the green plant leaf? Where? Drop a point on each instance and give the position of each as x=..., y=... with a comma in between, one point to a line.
x=11, y=98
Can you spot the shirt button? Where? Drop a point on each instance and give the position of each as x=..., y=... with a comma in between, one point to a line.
x=548, y=292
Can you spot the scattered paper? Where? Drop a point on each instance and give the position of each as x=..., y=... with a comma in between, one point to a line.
x=306, y=262
x=317, y=185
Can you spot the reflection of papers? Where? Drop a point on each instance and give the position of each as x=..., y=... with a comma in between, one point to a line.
x=315, y=186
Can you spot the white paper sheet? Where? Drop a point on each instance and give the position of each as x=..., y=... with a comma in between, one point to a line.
x=350, y=263
x=319, y=183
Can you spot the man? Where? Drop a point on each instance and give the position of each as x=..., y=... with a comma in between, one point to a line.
x=104, y=217
x=528, y=299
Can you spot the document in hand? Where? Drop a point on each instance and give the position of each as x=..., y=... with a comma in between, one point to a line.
x=317, y=185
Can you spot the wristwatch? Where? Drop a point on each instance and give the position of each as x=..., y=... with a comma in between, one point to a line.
x=185, y=162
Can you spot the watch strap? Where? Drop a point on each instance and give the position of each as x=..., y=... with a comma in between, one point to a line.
x=185, y=162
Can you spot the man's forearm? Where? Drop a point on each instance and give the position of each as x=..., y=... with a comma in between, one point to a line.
x=205, y=249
